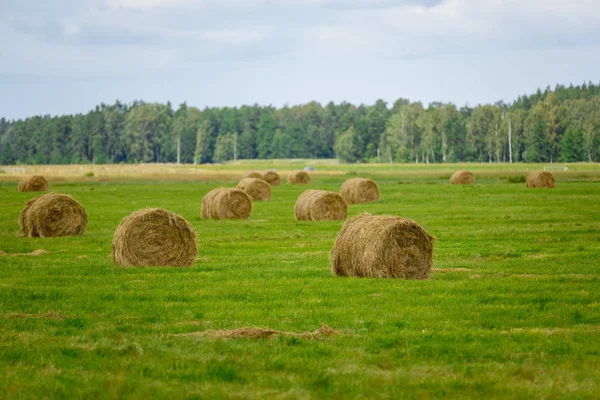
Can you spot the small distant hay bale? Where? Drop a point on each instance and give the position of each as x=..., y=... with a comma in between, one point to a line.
x=53, y=215
x=253, y=174
x=462, y=177
x=359, y=190
x=154, y=237
x=257, y=189
x=298, y=178
x=540, y=179
x=272, y=178
x=382, y=247
x=226, y=203
x=320, y=205
x=35, y=183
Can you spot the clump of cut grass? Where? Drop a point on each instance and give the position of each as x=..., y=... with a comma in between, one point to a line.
x=516, y=179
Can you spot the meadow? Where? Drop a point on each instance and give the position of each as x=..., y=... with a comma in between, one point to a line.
x=512, y=309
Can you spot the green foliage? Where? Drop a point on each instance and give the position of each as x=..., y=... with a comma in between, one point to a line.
x=224, y=150
x=572, y=146
x=346, y=146
x=405, y=132
x=517, y=179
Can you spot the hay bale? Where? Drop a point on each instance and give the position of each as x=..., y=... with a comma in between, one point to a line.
x=298, y=178
x=154, y=237
x=35, y=183
x=462, y=177
x=53, y=215
x=359, y=190
x=253, y=174
x=257, y=189
x=382, y=247
x=320, y=205
x=226, y=203
x=540, y=179
x=272, y=178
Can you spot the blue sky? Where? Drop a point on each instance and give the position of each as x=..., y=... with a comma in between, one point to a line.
x=66, y=56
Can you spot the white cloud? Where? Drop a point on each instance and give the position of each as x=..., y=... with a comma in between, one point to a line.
x=71, y=29
x=237, y=36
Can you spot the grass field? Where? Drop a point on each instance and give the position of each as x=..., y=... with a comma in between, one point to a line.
x=511, y=311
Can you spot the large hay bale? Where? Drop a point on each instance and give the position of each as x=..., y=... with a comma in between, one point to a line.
x=257, y=189
x=253, y=174
x=298, y=178
x=272, y=178
x=154, y=237
x=359, y=190
x=462, y=177
x=53, y=215
x=35, y=183
x=226, y=203
x=540, y=179
x=320, y=205
x=382, y=247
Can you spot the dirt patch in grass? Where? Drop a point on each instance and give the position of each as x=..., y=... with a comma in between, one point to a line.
x=553, y=331
x=583, y=276
x=263, y=333
x=38, y=252
x=49, y=315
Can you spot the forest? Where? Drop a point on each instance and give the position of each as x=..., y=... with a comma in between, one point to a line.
x=551, y=125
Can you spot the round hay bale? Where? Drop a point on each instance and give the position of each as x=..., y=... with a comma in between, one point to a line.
x=253, y=174
x=298, y=178
x=154, y=237
x=540, y=179
x=382, y=247
x=462, y=177
x=35, y=183
x=257, y=189
x=320, y=205
x=53, y=215
x=226, y=203
x=359, y=190
x=272, y=178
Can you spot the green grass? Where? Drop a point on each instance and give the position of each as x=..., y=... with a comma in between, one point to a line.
x=522, y=321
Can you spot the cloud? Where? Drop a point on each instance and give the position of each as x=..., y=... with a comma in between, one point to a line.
x=408, y=31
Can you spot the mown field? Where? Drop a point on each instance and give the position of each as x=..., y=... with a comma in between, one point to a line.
x=511, y=311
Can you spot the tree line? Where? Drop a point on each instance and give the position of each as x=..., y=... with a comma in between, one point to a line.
x=553, y=125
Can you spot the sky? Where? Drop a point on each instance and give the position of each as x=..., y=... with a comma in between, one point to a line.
x=67, y=56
